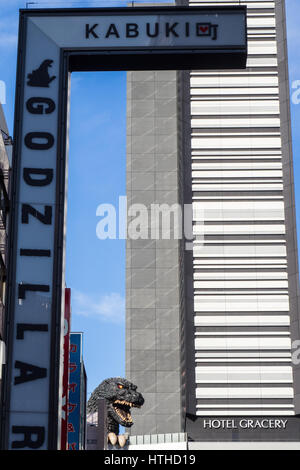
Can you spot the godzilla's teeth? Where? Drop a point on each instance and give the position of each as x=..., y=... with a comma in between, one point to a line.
x=122, y=440
x=112, y=438
x=124, y=402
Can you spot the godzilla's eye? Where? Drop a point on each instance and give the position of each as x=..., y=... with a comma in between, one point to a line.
x=120, y=386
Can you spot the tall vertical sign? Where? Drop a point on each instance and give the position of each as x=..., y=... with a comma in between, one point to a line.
x=74, y=407
x=34, y=406
x=65, y=384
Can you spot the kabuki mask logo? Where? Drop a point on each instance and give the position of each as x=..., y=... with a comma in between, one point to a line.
x=207, y=29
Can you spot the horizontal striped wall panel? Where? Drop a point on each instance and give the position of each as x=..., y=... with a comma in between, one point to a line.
x=241, y=302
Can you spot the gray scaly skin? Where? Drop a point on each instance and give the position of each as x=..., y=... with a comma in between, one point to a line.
x=121, y=395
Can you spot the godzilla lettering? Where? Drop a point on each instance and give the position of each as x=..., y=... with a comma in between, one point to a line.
x=121, y=395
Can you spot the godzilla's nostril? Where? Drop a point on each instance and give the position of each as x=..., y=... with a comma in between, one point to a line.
x=140, y=400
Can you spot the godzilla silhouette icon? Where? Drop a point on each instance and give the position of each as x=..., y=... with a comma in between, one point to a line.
x=40, y=77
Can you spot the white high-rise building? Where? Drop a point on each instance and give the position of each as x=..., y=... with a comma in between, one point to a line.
x=245, y=274
x=211, y=334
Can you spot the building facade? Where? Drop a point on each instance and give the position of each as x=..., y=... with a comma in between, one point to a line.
x=211, y=331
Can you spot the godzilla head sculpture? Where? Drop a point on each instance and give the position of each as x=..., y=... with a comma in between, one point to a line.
x=121, y=395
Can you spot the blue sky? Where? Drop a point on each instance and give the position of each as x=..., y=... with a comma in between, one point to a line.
x=95, y=269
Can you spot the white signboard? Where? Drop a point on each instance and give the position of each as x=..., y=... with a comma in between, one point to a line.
x=200, y=30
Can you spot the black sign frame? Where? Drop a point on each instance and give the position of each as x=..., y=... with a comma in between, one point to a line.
x=74, y=60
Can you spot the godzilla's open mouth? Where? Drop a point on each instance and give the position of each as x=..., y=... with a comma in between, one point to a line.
x=122, y=409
